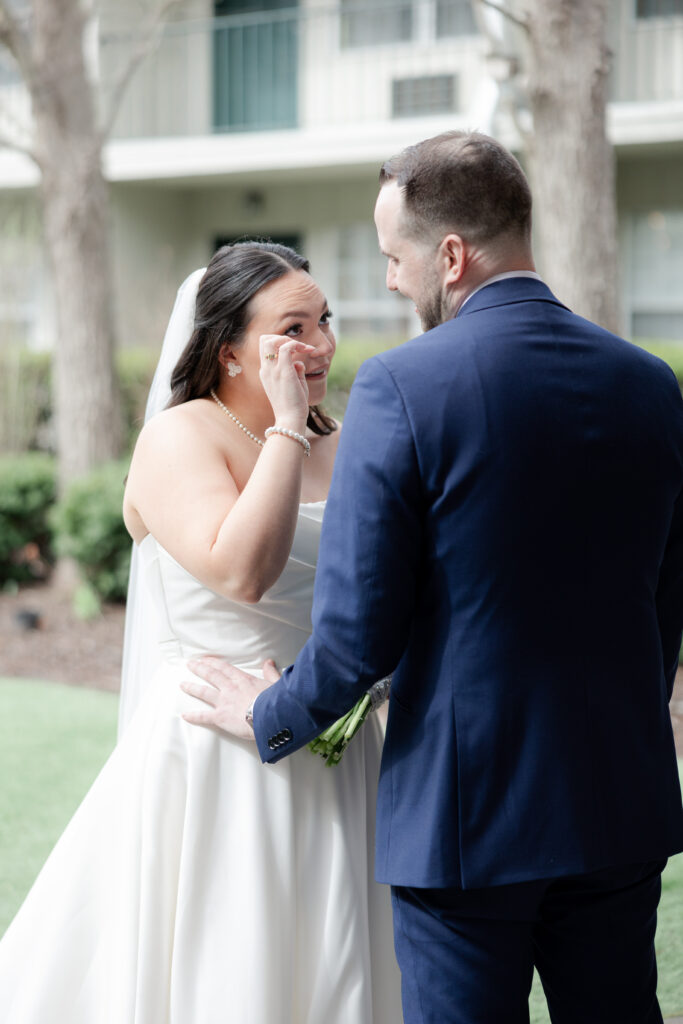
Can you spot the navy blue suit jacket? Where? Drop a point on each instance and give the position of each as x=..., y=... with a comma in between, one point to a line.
x=505, y=532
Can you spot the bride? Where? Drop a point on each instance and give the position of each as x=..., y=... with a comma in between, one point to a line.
x=194, y=885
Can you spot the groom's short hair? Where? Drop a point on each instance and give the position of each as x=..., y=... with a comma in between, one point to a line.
x=464, y=182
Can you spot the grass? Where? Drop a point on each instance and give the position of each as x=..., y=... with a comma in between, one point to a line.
x=669, y=946
x=53, y=741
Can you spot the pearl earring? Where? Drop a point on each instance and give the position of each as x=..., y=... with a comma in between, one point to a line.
x=234, y=369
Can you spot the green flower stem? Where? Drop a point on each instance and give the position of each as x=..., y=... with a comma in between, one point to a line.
x=357, y=717
x=333, y=741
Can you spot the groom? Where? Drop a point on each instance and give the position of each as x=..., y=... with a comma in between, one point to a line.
x=505, y=533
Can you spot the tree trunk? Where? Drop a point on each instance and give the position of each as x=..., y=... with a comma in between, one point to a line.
x=571, y=162
x=75, y=211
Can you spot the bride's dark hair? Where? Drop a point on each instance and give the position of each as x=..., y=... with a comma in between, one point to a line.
x=233, y=277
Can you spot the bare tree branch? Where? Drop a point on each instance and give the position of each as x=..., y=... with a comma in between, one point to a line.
x=148, y=38
x=13, y=35
x=521, y=22
x=7, y=142
x=10, y=141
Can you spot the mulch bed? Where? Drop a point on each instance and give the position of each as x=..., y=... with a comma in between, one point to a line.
x=66, y=650
x=60, y=647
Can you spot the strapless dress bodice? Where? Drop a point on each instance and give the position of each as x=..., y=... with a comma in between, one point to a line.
x=192, y=619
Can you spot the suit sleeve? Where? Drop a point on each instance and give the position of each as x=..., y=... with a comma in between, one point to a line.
x=366, y=577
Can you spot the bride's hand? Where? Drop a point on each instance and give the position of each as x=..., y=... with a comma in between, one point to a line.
x=283, y=376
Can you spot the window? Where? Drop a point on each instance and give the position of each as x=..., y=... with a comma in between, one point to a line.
x=368, y=23
x=655, y=274
x=430, y=94
x=455, y=18
x=365, y=23
x=255, y=59
x=658, y=8
x=363, y=306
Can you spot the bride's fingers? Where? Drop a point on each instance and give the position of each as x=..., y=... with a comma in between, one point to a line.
x=272, y=346
x=276, y=342
x=301, y=374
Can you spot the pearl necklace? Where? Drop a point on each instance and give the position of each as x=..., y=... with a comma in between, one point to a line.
x=235, y=420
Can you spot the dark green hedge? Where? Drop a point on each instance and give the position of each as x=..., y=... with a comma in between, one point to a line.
x=88, y=527
x=27, y=492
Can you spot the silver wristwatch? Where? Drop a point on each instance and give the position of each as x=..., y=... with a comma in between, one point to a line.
x=249, y=716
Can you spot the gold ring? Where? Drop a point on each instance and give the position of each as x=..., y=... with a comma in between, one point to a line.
x=272, y=355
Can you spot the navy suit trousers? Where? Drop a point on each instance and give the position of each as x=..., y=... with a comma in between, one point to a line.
x=467, y=956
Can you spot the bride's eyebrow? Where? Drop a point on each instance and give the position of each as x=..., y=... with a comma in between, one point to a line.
x=304, y=313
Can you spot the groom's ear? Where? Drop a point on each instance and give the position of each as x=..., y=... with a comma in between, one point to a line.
x=453, y=259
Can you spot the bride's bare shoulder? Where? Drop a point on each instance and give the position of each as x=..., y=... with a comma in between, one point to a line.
x=182, y=424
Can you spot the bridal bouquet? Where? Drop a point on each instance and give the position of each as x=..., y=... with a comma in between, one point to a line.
x=332, y=743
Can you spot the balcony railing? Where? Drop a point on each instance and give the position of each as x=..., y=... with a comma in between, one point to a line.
x=302, y=68
x=353, y=62
x=648, y=51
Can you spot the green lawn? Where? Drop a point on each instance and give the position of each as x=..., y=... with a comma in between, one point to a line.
x=53, y=741
x=669, y=945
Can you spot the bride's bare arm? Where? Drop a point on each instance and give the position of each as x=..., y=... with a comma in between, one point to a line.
x=180, y=489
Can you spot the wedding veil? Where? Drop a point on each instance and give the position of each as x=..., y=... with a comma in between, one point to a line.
x=140, y=651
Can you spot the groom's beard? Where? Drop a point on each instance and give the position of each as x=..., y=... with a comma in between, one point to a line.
x=432, y=307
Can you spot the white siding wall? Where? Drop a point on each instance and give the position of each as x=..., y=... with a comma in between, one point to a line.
x=163, y=234
x=650, y=195
x=26, y=310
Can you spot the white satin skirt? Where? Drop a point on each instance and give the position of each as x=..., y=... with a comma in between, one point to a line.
x=195, y=885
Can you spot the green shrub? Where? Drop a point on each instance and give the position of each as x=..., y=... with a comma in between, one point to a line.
x=27, y=490
x=351, y=353
x=89, y=528
x=135, y=369
x=670, y=351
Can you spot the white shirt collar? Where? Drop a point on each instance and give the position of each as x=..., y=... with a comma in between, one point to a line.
x=502, y=277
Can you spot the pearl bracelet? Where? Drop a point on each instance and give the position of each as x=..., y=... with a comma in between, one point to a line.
x=299, y=438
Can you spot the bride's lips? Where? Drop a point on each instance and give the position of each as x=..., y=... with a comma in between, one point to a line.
x=317, y=374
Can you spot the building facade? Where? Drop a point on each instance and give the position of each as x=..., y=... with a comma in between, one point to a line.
x=270, y=118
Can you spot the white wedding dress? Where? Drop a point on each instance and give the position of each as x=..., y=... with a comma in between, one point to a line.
x=195, y=885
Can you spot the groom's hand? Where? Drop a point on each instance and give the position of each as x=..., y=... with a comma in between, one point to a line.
x=228, y=695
